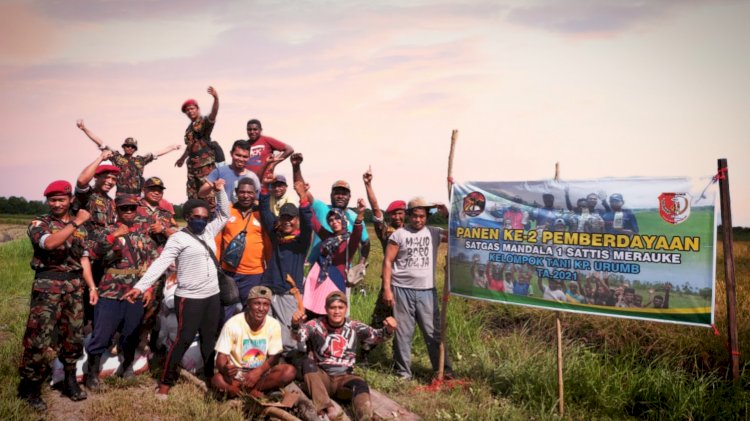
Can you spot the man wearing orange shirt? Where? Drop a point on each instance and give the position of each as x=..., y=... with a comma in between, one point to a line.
x=243, y=245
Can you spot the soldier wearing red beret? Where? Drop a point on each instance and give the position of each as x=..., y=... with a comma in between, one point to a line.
x=55, y=318
x=201, y=152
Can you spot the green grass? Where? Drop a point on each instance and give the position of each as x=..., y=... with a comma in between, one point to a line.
x=614, y=368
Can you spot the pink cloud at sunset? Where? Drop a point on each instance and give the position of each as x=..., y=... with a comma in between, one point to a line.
x=638, y=89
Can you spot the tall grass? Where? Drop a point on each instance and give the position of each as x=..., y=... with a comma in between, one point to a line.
x=613, y=368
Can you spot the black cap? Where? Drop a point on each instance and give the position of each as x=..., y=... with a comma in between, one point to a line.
x=288, y=209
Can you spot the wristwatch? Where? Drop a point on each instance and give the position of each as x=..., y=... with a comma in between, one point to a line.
x=74, y=224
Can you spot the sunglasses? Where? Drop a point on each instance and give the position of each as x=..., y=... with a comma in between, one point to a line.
x=128, y=208
x=128, y=146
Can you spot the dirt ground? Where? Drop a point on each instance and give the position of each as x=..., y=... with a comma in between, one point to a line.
x=9, y=232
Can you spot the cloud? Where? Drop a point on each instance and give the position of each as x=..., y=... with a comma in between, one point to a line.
x=586, y=17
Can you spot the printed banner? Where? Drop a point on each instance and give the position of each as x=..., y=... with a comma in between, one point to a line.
x=642, y=248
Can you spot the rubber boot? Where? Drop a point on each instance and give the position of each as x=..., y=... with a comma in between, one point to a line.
x=70, y=386
x=125, y=370
x=92, y=373
x=31, y=392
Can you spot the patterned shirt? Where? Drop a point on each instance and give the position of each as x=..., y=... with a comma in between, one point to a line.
x=198, y=141
x=100, y=206
x=130, y=179
x=335, y=348
x=148, y=215
x=62, y=262
x=124, y=258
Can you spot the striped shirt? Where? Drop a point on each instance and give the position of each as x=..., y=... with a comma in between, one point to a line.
x=196, y=271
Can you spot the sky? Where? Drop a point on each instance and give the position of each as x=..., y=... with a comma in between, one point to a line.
x=605, y=88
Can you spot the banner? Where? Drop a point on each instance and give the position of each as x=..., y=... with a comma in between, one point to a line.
x=642, y=248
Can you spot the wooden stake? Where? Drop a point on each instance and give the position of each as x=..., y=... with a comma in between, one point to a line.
x=558, y=324
x=726, y=224
x=446, y=285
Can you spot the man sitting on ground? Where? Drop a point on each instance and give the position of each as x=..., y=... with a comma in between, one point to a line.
x=333, y=342
x=249, y=349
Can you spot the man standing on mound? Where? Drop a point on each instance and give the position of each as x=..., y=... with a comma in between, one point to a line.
x=55, y=319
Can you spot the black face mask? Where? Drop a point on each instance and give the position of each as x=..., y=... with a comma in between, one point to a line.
x=197, y=225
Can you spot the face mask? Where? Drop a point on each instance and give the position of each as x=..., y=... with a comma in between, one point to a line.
x=197, y=225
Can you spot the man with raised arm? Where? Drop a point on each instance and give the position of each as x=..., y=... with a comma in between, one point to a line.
x=199, y=151
x=233, y=173
x=131, y=166
x=261, y=147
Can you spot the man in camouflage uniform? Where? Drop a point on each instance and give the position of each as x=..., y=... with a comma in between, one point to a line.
x=199, y=152
x=62, y=266
x=126, y=251
x=131, y=166
x=96, y=200
x=160, y=223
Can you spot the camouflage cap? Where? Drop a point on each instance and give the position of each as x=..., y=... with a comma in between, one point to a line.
x=259, y=291
x=154, y=182
x=336, y=296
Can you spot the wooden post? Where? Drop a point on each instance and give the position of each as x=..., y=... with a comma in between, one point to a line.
x=446, y=286
x=558, y=325
x=726, y=224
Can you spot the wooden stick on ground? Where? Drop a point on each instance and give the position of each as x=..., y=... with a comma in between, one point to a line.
x=726, y=223
x=558, y=330
x=446, y=285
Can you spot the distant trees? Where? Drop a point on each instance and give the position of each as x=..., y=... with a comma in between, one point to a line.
x=20, y=206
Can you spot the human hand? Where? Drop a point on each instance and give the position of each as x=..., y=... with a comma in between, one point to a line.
x=131, y=295
x=121, y=230
x=82, y=216
x=179, y=162
x=268, y=177
x=390, y=324
x=156, y=228
x=219, y=184
x=298, y=317
x=296, y=158
x=106, y=154
x=211, y=91
x=79, y=124
x=252, y=377
x=361, y=206
x=148, y=296
x=367, y=176
x=388, y=298
x=176, y=147
x=93, y=296
x=300, y=188
x=230, y=369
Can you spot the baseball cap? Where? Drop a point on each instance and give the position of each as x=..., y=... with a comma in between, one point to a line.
x=127, y=199
x=58, y=188
x=336, y=296
x=260, y=291
x=154, y=182
x=288, y=209
x=279, y=179
x=341, y=184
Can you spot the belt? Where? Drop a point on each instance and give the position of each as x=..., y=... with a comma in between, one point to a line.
x=57, y=276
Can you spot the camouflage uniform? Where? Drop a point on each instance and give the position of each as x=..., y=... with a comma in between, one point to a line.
x=56, y=300
x=103, y=214
x=130, y=179
x=381, y=310
x=201, y=158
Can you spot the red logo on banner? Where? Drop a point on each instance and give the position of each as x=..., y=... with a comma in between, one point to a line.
x=474, y=203
x=674, y=207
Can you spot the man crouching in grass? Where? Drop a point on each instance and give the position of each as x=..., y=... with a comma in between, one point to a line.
x=249, y=349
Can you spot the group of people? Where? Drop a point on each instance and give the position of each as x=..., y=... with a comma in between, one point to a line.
x=585, y=216
x=101, y=264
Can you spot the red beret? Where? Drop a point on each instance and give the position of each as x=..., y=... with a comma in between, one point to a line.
x=397, y=205
x=190, y=101
x=106, y=168
x=58, y=188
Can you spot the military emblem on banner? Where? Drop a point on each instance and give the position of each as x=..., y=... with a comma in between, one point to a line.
x=674, y=207
x=474, y=203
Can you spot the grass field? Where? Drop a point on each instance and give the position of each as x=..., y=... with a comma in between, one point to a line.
x=614, y=368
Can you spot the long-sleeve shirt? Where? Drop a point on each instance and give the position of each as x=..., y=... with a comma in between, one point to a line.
x=335, y=348
x=196, y=271
x=288, y=254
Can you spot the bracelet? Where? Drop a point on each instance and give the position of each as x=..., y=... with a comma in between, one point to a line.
x=76, y=226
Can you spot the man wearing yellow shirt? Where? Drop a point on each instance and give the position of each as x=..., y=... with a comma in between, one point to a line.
x=249, y=349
